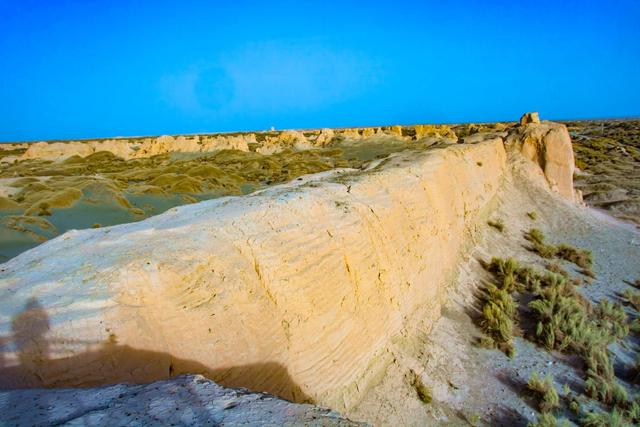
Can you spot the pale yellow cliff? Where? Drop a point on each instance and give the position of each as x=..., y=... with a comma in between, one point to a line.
x=297, y=290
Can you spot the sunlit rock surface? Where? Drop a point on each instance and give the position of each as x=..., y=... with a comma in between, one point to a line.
x=296, y=290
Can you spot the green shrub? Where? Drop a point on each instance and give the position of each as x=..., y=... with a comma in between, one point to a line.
x=545, y=392
x=604, y=419
x=612, y=318
x=580, y=257
x=633, y=413
x=548, y=420
x=632, y=298
x=532, y=215
x=496, y=322
x=574, y=405
x=506, y=271
x=605, y=390
x=556, y=268
x=535, y=236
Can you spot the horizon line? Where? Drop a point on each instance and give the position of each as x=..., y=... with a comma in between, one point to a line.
x=123, y=137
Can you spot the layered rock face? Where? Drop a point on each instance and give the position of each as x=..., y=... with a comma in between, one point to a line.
x=295, y=290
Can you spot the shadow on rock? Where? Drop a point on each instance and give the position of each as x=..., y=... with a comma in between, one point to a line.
x=35, y=365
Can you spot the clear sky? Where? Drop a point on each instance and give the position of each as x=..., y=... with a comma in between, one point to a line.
x=81, y=69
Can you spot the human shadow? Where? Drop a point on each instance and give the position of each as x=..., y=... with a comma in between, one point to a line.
x=37, y=364
x=28, y=330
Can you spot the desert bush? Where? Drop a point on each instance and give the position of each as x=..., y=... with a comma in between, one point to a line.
x=535, y=236
x=532, y=215
x=608, y=391
x=605, y=419
x=496, y=322
x=633, y=413
x=487, y=342
x=632, y=298
x=581, y=257
x=574, y=404
x=612, y=318
x=562, y=319
x=498, y=310
x=548, y=420
x=497, y=224
x=509, y=274
x=554, y=267
x=545, y=392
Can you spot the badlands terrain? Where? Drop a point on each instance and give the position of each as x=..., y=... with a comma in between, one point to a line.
x=406, y=275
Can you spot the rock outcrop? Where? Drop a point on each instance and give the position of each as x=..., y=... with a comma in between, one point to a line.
x=308, y=282
x=190, y=400
x=296, y=290
x=528, y=118
x=436, y=131
x=549, y=145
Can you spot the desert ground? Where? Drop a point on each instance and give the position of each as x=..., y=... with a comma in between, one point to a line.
x=468, y=274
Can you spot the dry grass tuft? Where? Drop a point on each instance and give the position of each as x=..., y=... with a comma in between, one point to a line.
x=545, y=392
x=498, y=224
x=632, y=298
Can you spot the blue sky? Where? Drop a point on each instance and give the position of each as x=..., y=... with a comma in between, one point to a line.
x=82, y=69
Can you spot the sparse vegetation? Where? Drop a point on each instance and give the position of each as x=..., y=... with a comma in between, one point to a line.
x=632, y=298
x=532, y=215
x=574, y=404
x=581, y=257
x=605, y=419
x=423, y=392
x=611, y=317
x=498, y=224
x=497, y=313
x=549, y=420
x=564, y=321
x=545, y=392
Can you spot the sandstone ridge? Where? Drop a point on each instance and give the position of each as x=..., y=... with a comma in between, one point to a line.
x=261, y=142
x=307, y=281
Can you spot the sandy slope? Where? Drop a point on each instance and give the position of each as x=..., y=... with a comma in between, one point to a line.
x=473, y=385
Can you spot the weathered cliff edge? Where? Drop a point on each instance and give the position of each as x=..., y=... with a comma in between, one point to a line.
x=264, y=142
x=295, y=290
